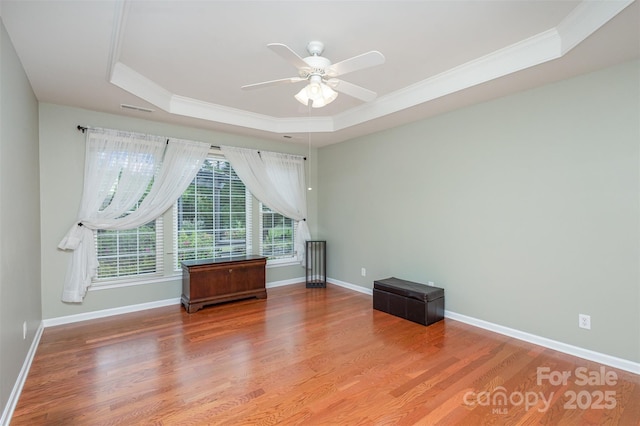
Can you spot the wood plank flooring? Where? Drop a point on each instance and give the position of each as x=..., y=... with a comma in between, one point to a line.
x=313, y=357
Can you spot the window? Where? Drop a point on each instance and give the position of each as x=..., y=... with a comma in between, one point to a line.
x=277, y=234
x=213, y=216
x=132, y=252
x=212, y=219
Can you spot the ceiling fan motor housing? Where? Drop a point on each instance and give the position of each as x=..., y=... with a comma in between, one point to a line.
x=315, y=48
x=317, y=64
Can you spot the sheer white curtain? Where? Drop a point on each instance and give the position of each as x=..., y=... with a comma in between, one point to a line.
x=277, y=180
x=130, y=161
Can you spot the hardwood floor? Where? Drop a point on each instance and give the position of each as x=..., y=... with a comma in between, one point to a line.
x=313, y=357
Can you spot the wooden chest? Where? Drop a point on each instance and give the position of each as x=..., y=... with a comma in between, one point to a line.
x=209, y=281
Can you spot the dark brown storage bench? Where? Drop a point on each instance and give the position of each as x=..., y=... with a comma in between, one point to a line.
x=412, y=301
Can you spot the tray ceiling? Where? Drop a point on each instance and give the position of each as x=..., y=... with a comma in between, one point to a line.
x=185, y=61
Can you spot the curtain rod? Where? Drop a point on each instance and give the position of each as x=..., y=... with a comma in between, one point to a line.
x=84, y=129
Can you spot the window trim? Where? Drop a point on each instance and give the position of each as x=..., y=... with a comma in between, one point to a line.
x=129, y=282
x=283, y=261
x=175, y=276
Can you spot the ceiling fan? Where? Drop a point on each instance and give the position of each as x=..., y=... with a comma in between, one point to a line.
x=321, y=74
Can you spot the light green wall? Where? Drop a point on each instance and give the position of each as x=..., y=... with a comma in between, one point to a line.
x=61, y=173
x=19, y=217
x=525, y=209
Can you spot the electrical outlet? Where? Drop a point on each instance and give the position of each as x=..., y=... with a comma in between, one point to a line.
x=584, y=321
x=363, y=272
x=24, y=330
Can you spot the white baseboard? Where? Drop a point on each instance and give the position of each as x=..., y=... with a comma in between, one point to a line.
x=109, y=312
x=22, y=377
x=353, y=287
x=612, y=361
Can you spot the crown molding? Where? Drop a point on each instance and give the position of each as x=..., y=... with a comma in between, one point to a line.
x=518, y=56
x=142, y=87
x=586, y=19
x=548, y=45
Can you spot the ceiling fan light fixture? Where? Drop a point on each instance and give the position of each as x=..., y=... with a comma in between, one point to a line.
x=328, y=95
x=316, y=91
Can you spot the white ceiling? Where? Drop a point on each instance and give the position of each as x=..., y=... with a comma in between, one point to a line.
x=186, y=60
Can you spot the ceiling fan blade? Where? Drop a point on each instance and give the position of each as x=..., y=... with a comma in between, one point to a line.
x=352, y=90
x=356, y=63
x=279, y=82
x=287, y=54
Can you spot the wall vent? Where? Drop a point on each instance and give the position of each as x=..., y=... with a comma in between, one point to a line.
x=135, y=108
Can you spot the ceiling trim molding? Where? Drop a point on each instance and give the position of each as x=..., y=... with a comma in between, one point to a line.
x=140, y=86
x=521, y=55
x=587, y=18
x=581, y=22
x=196, y=108
x=119, y=22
